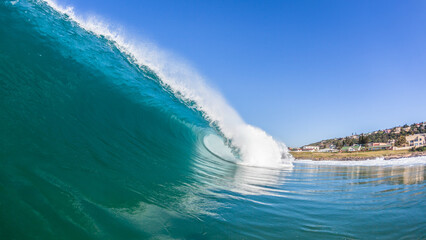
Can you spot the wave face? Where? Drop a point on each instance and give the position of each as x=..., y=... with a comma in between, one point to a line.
x=150, y=78
x=101, y=138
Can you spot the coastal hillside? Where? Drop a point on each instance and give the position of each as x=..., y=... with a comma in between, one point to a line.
x=396, y=136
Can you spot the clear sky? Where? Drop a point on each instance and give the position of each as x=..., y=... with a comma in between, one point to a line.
x=301, y=70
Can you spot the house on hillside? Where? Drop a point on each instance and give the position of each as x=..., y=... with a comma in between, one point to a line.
x=310, y=148
x=416, y=140
x=328, y=150
x=391, y=142
x=354, y=148
x=407, y=129
x=379, y=146
x=397, y=129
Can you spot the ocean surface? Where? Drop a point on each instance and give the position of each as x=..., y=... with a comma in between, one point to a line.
x=103, y=138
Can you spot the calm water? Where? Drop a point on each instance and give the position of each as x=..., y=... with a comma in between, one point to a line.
x=93, y=146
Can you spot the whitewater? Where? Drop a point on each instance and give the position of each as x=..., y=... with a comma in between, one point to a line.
x=105, y=137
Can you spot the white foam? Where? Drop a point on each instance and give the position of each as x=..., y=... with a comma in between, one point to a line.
x=256, y=147
x=372, y=162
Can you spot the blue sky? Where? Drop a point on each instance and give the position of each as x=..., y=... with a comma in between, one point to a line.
x=301, y=70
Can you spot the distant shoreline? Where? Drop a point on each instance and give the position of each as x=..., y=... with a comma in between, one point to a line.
x=356, y=156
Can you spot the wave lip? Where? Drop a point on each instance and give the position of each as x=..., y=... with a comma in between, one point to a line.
x=256, y=148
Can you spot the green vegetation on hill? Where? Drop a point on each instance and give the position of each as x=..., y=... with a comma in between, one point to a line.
x=396, y=134
x=419, y=149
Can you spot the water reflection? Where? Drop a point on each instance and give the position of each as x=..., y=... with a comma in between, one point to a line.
x=218, y=175
x=398, y=174
x=258, y=181
x=313, y=200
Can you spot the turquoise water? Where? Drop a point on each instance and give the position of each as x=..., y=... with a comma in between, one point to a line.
x=94, y=146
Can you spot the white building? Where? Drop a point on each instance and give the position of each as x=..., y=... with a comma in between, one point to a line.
x=416, y=140
x=328, y=150
x=310, y=148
